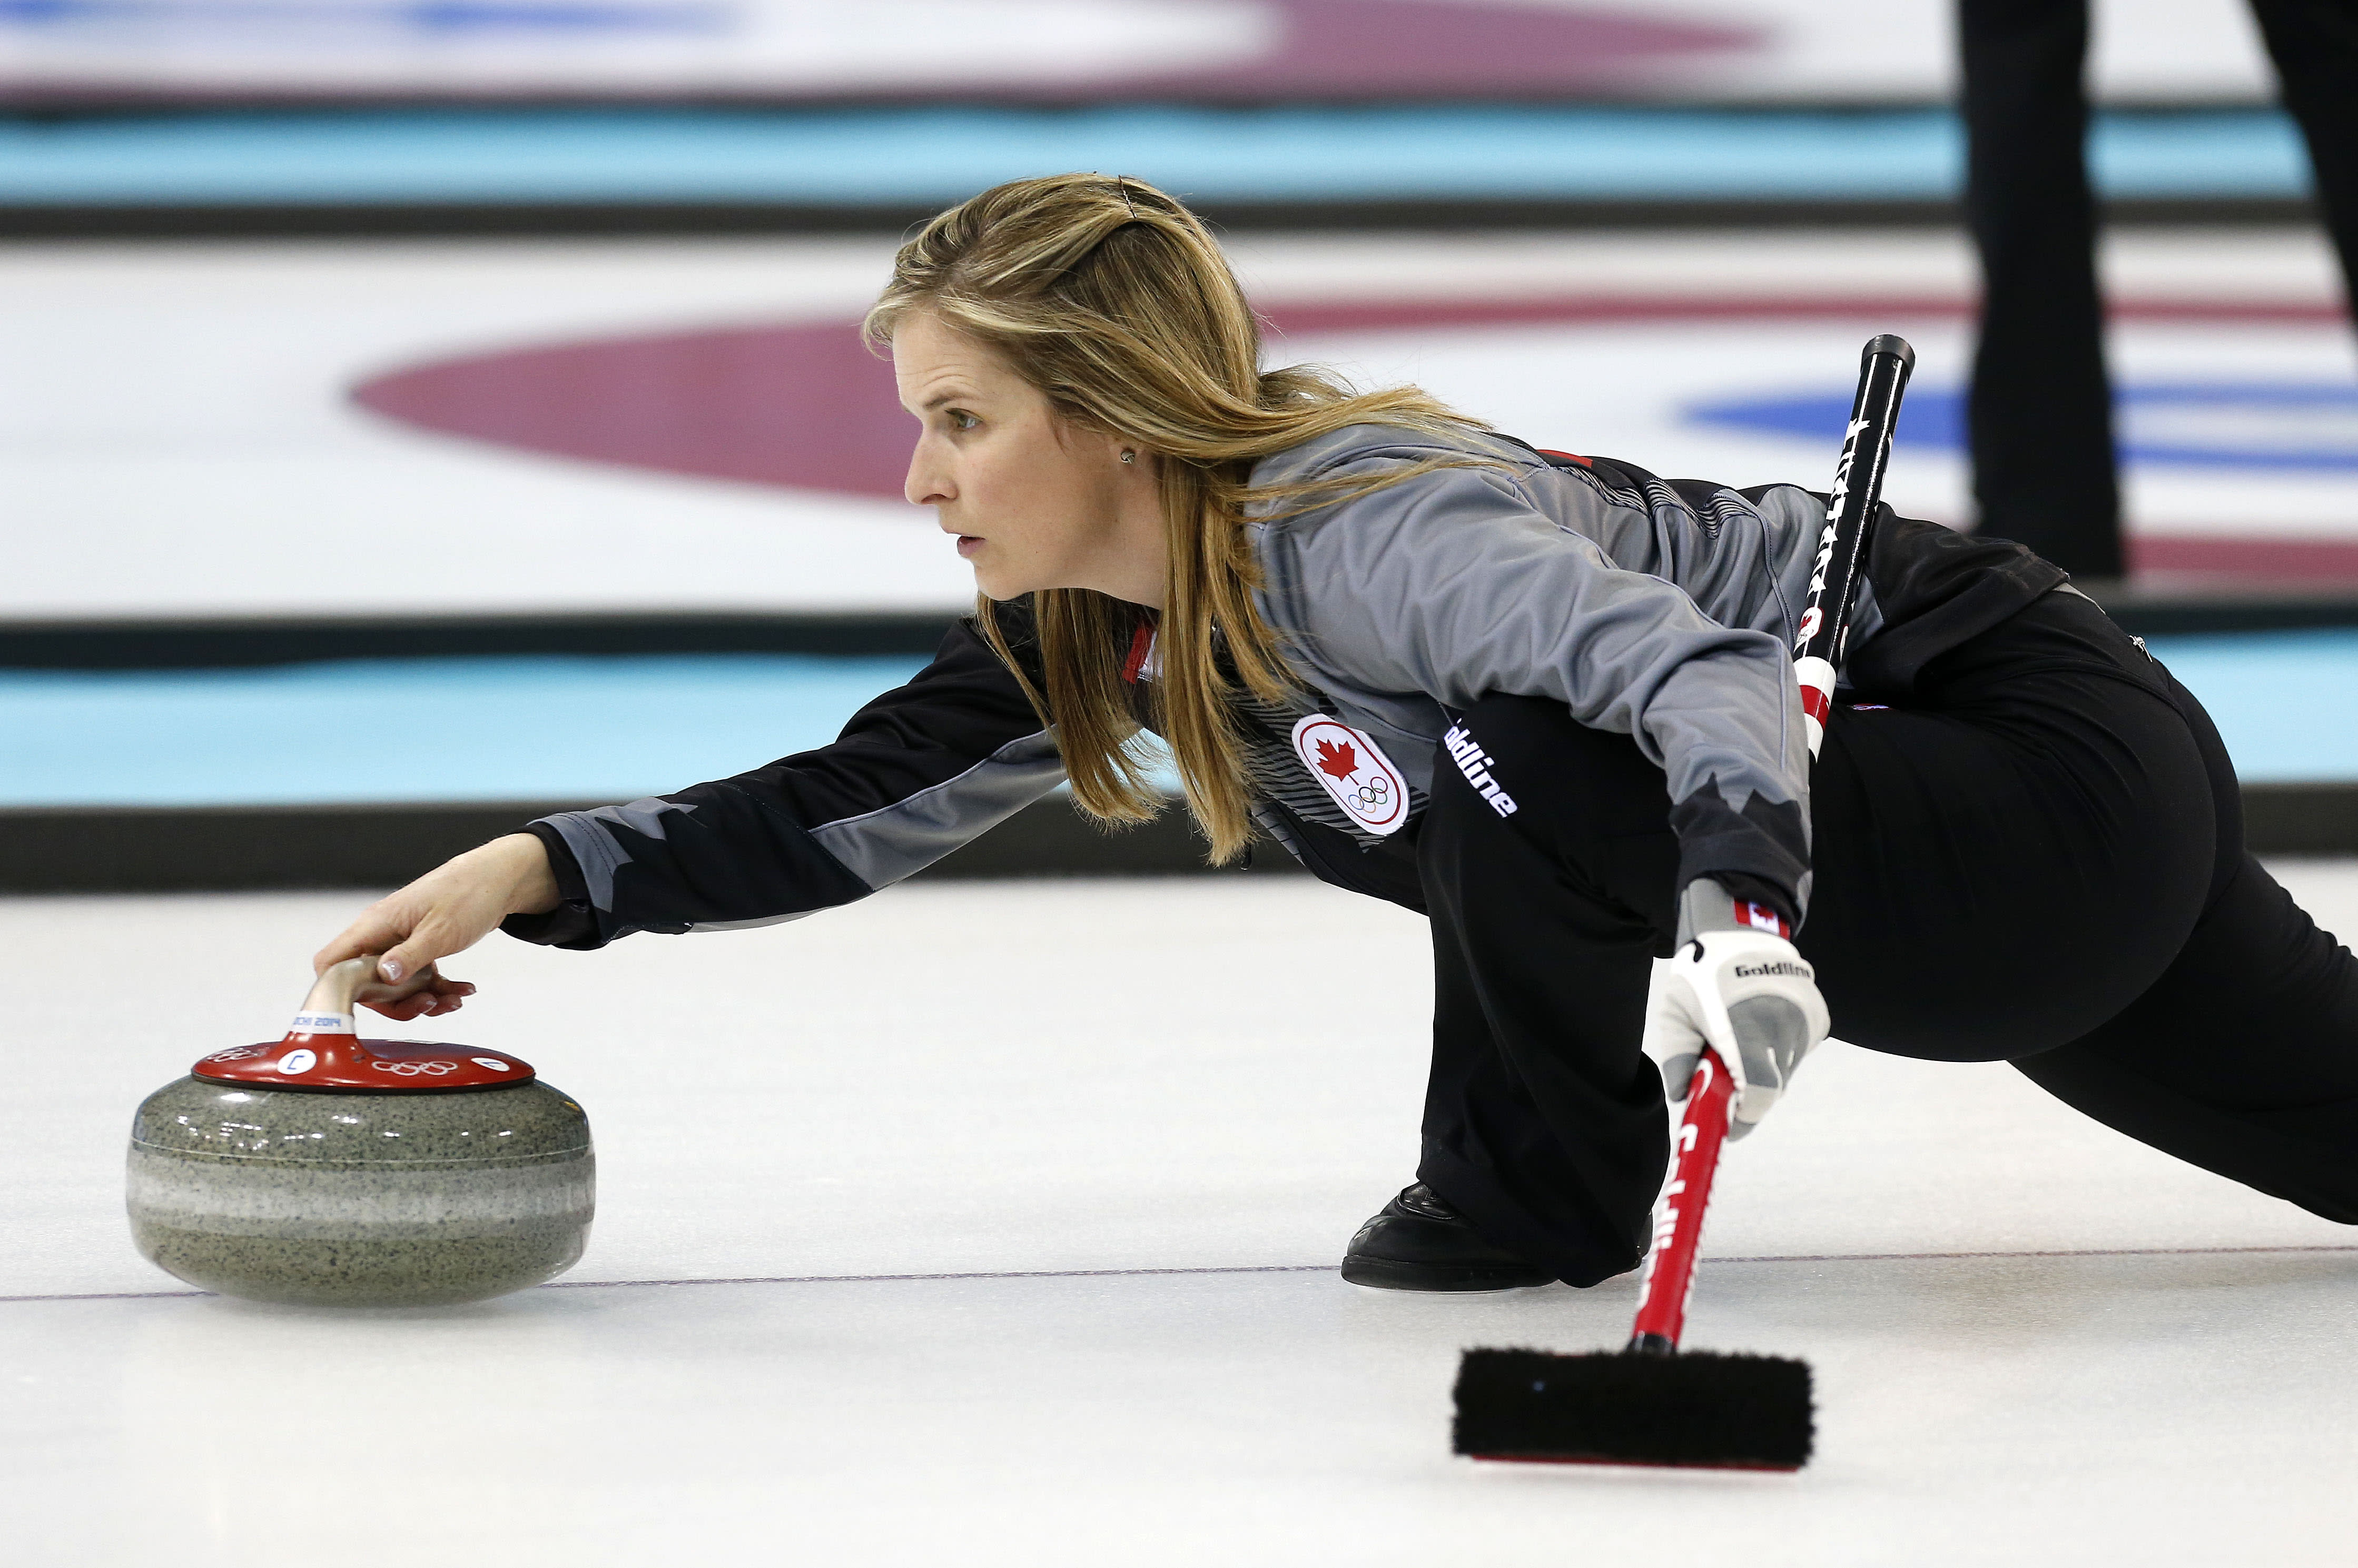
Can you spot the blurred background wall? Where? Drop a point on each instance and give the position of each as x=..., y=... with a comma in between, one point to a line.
x=415, y=415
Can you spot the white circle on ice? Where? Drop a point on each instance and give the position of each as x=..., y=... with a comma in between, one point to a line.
x=493, y=1063
x=299, y=1062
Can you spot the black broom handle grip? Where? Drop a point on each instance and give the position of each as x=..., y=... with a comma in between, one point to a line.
x=1884, y=365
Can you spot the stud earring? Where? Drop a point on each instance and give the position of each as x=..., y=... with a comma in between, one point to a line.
x=1130, y=456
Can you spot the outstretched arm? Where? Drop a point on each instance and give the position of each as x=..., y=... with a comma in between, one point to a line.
x=920, y=771
x=916, y=772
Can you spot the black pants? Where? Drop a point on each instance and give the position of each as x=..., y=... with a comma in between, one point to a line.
x=2037, y=858
x=2040, y=413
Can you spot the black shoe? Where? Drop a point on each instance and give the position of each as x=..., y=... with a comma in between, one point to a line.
x=1419, y=1243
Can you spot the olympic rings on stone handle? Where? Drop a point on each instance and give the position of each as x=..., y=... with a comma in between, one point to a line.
x=412, y=1069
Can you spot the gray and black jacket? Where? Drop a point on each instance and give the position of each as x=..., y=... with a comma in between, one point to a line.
x=1664, y=609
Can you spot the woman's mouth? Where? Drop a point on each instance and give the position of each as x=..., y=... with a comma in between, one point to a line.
x=968, y=543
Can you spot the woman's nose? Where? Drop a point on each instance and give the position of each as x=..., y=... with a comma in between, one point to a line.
x=926, y=485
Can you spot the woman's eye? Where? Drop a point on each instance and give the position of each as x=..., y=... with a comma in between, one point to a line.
x=961, y=420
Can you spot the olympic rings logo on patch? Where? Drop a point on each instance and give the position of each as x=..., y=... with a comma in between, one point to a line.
x=1354, y=771
x=416, y=1069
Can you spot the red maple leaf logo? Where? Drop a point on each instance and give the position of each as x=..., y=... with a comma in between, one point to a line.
x=1341, y=760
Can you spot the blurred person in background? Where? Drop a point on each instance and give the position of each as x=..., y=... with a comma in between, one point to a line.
x=2040, y=415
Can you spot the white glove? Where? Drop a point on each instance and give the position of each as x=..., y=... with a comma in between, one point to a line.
x=1736, y=985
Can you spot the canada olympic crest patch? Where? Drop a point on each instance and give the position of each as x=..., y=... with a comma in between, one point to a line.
x=1355, y=771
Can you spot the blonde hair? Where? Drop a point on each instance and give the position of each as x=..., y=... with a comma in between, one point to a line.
x=1115, y=301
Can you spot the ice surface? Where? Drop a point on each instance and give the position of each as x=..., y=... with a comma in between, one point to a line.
x=2036, y=1341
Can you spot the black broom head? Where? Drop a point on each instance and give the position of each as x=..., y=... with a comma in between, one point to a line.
x=1741, y=1412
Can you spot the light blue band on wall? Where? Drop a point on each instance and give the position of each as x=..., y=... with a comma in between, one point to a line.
x=898, y=158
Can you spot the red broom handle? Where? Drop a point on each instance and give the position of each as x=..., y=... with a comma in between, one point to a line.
x=1883, y=371
x=1669, y=1279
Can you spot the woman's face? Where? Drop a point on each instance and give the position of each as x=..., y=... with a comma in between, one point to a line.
x=1035, y=501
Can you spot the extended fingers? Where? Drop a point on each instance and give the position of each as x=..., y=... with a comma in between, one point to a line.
x=433, y=990
x=427, y=996
x=445, y=996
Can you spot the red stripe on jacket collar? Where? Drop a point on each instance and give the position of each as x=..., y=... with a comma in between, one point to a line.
x=1142, y=648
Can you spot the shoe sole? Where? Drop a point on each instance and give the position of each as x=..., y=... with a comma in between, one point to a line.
x=1384, y=1274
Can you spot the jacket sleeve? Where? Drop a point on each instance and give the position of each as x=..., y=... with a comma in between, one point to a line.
x=1458, y=586
x=916, y=774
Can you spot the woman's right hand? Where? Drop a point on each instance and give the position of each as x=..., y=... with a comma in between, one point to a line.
x=447, y=911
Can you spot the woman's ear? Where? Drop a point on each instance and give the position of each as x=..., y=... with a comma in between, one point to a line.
x=1124, y=452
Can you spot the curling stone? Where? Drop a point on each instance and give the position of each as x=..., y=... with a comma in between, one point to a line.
x=329, y=1170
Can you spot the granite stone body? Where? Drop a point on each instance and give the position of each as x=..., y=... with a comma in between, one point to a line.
x=410, y=1199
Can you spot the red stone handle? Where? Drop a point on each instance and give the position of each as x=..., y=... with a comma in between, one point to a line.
x=322, y=1050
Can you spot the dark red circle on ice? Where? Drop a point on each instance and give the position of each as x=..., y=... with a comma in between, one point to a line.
x=1395, y=49
x=805, y=404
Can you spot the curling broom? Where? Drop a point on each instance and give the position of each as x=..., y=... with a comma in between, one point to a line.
x=1649, y=1403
